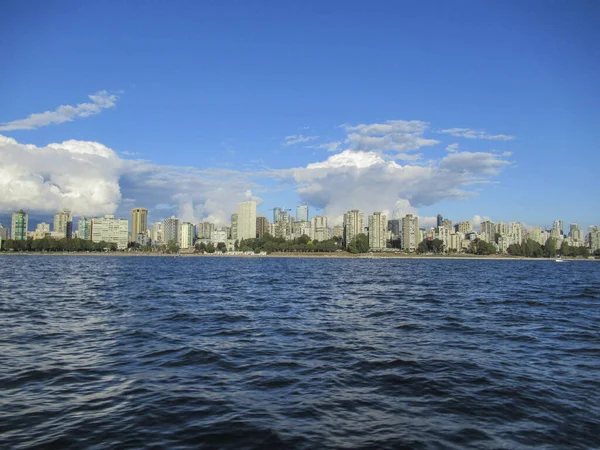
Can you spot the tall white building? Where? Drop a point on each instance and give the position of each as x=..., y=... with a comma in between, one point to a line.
x=205, y=229
x=302, y=213
x=187, y=235
x=171, y=230
x=353, y=225
x=246, y=212
x=410, y=232
x=515, y=233
x=378, y=231
x=63, y=224
x=156, y=232
x=41, y=231
x=111, y=230
x=320, y=229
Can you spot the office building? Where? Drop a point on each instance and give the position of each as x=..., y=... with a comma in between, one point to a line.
x=18, y=229
x=112, y=230
x=63, y=225
x=302, y=213
x=440, y=220
x=246, y=213
x=410, y=233
x=139, y=222
x=378, y=231
x=171, y=230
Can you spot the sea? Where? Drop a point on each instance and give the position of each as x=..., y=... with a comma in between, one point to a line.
x=298, y=353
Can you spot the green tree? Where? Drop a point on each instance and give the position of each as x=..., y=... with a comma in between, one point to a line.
x=550, y=248
x=359, y=244
x=222, y=247
x=172, y=246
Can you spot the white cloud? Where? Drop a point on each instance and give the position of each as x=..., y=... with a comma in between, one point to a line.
x=64, y=113
x=470, y=133
x=369, y=182
x=477, y=219
x=452, y=147
x=329, y=146
x=91, y=179
x=390, y=136
x=297, y=139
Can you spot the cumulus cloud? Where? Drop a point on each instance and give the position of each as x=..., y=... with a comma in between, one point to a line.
x=64, y=113
x=91, y=179
x=366, y=180
x=470, y=133
x=452, y=147
x=82, y=176
x=297, y=139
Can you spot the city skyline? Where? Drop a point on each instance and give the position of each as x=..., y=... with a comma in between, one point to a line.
x=502, y=129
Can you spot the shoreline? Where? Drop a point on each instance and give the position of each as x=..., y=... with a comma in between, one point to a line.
x=336, y=255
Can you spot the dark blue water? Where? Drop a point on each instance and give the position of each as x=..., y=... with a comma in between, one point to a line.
x=107, y=352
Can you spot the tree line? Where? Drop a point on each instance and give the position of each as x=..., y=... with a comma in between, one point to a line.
x=57, y=245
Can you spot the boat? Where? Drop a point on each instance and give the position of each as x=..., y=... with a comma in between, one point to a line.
x=559, y=259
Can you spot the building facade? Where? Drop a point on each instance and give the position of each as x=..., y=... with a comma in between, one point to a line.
x=246, y=213
x=187, y=235
x=302, y=213
x=63, y=224
x=262, y=226
x=410, y=233
x=156, y=232
x=84, y=228
x=139, y=222
x=171, y=230
x=353, y=225
x=112, y=230
x=378, y=231
x=18, y=229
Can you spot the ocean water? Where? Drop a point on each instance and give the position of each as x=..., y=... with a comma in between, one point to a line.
x=234, y=353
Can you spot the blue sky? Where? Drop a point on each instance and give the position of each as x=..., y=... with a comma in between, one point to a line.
x=218, y=86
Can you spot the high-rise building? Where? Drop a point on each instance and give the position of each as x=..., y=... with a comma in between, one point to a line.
x=111, y=230
x=42, y=230
x=410, y=232
x=171, y=230
x=502, y=229
x=465, y=227
x=320, y=230
x=276, y=213
x=378, y=231
x=157, y=232
x=515, y=233
x=63, y=224
x=394, y=228
x=139, y=222
x=440, y=220
x=487, y=231
x=576, y=233
x=302, y=213
x=84, y=228
x=338, y=231
x=246, y=212
x=187, y=235
x=262, y=226
x=536, y=235
x=558, y=227
x=205, y=229
x=4, y=233
x=18, y=229
x=234, y=226
x=353, y=225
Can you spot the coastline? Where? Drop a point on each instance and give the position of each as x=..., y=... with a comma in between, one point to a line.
x=336, y=255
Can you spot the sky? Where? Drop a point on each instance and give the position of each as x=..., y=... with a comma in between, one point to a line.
x=468, y=109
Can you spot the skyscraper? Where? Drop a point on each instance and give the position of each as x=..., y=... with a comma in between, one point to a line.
x=353, y=225
x=18, y=230
x=410, y=232
x=63, y=224
x=377, y=231
x=276, y=214
x=246, y=212
x=139, y=222
x=156, y=232
x=171, y=230
x=440, y=220
x=302, y=213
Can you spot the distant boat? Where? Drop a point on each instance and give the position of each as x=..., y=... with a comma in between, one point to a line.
x=558, y=259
